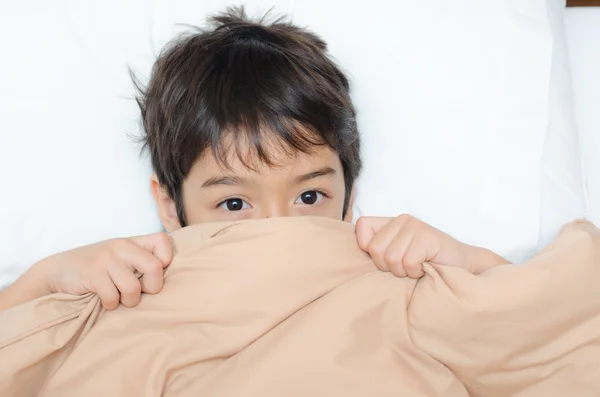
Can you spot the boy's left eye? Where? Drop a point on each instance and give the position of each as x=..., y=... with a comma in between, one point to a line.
x=234, y=204
x=310, y=197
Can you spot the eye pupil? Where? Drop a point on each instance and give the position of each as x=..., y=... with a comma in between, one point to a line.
x=309, y=197
x=234, y=204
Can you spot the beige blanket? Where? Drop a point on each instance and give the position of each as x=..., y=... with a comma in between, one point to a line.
x=292, y=307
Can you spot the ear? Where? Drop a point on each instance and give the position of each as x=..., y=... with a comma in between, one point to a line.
x=167, y=211
x=348, y=216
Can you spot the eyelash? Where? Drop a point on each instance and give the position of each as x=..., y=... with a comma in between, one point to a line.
x=219, y=204
x=315, y=190
x=325, y=194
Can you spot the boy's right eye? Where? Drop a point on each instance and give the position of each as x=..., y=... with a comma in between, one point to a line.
x=234, y=204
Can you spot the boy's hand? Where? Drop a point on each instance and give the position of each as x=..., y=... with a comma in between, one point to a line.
x=401, y=245
x=109, y=269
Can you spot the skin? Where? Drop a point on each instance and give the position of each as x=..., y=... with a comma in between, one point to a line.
x=119, y=270
x=304, y=184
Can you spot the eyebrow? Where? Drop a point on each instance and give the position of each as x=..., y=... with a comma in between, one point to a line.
x=232, y=180
x=229, y=180
x=326, y=171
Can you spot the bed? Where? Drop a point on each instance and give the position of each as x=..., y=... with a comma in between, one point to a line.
x=80, y=104
x=492, y=137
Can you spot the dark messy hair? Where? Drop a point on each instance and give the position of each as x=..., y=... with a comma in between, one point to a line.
x=244, y=81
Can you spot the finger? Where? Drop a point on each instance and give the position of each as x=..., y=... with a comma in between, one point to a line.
x=366, y=227
x=157, y=244
x=148, y=265
x=417, y=253
x=380, y=244
x=107, y=291
x=414, y=271
x=127, y=283
x=151, y=283
x=396, y=251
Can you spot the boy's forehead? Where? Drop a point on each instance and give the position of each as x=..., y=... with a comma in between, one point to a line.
x=288, y=167
x=282, y=159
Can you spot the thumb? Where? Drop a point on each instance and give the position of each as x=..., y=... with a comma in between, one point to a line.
x=367, y=227
x=158, y=244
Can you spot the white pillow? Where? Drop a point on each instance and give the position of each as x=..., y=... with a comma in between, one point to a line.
x=465, y=117
x=453, y=102
x=563, y=183
x=71, y=175
x=583, y=34
x=70, y=171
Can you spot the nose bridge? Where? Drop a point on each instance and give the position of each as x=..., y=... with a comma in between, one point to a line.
x=274, y=209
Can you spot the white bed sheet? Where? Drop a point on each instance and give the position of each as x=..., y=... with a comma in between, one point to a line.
x=583, y=37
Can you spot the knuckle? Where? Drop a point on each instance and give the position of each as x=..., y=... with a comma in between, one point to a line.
x=152, y=289
x=405, y=217
x=154, y=266
x=404, y=220
x=110, y=302
x=410, y=262
x=376, y=248
x=131, y=288
x=360, y=222
x=397, y=270
x=410, y=265
x=392, y=258
x=162, y=238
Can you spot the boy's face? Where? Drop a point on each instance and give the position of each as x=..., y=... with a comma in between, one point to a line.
x=302, y=184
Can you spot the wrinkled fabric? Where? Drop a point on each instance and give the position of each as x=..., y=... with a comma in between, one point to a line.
x=293, y=307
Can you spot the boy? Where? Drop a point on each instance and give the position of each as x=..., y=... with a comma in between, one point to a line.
x=245, y=120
